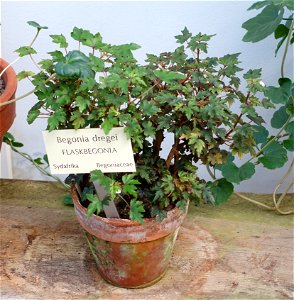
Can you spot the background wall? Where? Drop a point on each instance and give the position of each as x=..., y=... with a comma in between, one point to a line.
x=152, y=25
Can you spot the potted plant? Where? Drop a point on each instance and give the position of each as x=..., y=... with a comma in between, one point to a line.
x=8, y=84
x=182, y=97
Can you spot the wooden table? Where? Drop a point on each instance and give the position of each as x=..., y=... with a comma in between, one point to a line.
x=235, y=251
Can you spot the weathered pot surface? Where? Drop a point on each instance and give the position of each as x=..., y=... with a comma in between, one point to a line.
x=7, y=112
x=129, y=254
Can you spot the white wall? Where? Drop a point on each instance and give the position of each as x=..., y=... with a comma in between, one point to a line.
x=150, y=24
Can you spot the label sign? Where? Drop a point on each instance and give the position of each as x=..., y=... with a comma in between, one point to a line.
x=84, y=150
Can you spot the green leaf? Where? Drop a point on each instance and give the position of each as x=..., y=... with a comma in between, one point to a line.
x=281, y=31
x=77, y=119
x=279, y=118
x=184, y=36
x=264, y=24
x=76, y=65
x=36, y=25
x=221, y=190
x=280, y=95
x=136, y=211
x=57, y=118
x=235, y=175
x=158, y=214
x=149, y=108
x=260, y=134
x=34, y=112
x=59, y=39
x=96, y=63
x=289, y=143
x=252, y=74
x=258, y=5
x=95, y=206
x=26, y=50
x=168, y=76
x=82, y=102
x=290, y=128
x=24, y=74
x=108, y=124
x=129, y=186
x=67, y=199
x=274, y=156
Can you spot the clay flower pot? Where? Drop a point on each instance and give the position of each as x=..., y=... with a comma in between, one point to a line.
x=7, y=112
x=127, y=253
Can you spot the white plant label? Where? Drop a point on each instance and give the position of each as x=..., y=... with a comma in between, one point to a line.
x=84, y=150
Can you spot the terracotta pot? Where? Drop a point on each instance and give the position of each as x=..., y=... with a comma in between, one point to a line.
x=127, y=253
x=7, y=112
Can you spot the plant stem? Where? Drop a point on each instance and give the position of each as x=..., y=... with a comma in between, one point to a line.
x=8, y=66
x=286, y=48
x=42, y=170
x=25, y=95
x=270, y=141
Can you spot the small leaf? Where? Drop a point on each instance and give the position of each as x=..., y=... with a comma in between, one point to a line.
x=24, y=74
x=184, y=36
x=59, y=39
x=26, y=50
x=57, y=118
x=36, y=25
x=136, y=211
x=281, y=31
x=67, y=199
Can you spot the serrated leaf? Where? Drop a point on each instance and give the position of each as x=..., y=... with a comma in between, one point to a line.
x=136, y=211
x=77, y=120
x=59, y=39
x=57, y=118
x=130, y=183
x=149, y=108
x=24, y=74
x=264, y=24
x=184, y=36
x=274, y=156
x=82, y=103
x=26, y=50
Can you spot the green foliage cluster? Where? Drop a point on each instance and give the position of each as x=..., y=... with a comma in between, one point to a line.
x=183, y=93
x=276, y=18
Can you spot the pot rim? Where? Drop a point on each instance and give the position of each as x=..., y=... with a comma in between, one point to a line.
x=125, y=230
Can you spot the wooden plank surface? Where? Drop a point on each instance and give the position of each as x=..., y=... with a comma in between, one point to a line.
x=236, y=251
